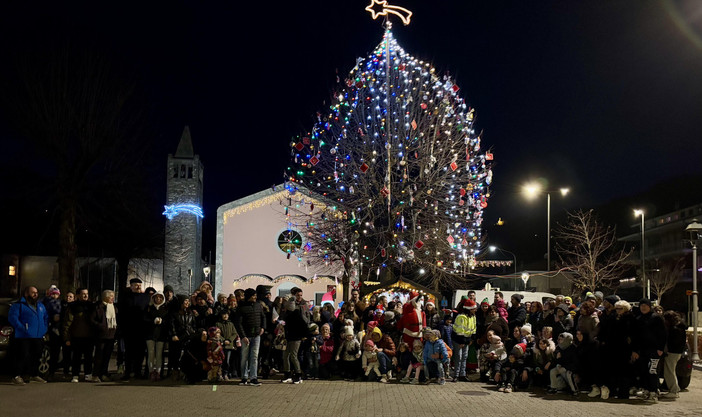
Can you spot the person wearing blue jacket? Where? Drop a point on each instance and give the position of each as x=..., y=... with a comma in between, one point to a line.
x=435, y=355
x=30, y=321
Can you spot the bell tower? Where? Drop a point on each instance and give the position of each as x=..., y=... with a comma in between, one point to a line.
x=182, y=263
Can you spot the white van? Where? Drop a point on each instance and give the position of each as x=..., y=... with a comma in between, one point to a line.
x=490, y=295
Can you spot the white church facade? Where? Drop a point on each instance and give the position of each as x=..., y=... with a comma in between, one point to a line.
x=254, y=238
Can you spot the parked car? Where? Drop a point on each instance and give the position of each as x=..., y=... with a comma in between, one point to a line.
x=7, y=338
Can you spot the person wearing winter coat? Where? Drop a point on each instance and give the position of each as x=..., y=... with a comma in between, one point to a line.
x=675, y=346
x=325, y=341
x=250, y=322
x=30, y=321
x=562, y=321
x=105, y=321
x=462, y=336
x=215, y=354
x=349, y=352
x=386, y=351
x=543, y=353
x=516, y=313
x=562, y=369
x=295, y=330
x=132, y=306
x=588, y=320
x=157, y=334
x=435, y=355
x=194, y=360
x=494, y=322
x=510, y=369
x=412, y=322
x=648, y=344
x=79, y=332
x=230, y=342
x=182, y=328
x=52, y=303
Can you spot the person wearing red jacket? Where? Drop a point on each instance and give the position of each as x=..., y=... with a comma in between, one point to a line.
x=412, y=322
x=325, y=341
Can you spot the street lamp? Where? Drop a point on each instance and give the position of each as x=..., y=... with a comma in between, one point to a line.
x=531, y=191
x=644, y=283
x=694, y=230
x=493, y=248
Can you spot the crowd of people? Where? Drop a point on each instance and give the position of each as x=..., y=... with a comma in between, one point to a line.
x=602, y=346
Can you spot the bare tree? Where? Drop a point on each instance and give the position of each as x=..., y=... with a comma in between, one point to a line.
x=80, y=113
x=666, y=277
x=589, y=249
x=398, y=156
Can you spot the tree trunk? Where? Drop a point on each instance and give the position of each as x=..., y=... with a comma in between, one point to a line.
x=67, y=245
x=122, y=273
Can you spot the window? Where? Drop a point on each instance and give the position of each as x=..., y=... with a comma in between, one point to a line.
x=182, y=171
x=190, y=172
x=318, y=298
x=289, y=241
x=175, y=171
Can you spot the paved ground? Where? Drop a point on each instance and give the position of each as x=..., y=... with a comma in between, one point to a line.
x=317, y=398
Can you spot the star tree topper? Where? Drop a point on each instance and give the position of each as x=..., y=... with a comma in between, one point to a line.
x=382, y=8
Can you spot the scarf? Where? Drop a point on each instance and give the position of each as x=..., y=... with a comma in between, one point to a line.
x=110, y=315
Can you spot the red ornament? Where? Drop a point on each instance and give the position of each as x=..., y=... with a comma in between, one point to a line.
x=401, y=67
x=359, y=84
x=454, y=166
x=385, y=192
x=414, y=125
x=299, y=146
x=455, y=88
x=483, y=202
x=488, y=156
x=382, y=252
x=314, y=160
x=423, y=106
x=450, y=239
x=364, y=168
x=462, y=192
x=461, y=202
x=306, y=140
x=419, y=244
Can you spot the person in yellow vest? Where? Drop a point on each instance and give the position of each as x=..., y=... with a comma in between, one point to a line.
x=463, y=335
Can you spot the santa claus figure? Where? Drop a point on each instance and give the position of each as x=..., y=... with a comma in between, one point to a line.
x=413, y=321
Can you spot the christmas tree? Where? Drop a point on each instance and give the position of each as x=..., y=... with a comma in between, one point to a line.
x=399, y=165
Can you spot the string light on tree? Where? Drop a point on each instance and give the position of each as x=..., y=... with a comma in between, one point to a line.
x=397, y=153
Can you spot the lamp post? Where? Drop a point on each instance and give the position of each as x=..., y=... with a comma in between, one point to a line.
x=494, y=248
x=531, y=191
x=694, y=229
x=644, y=282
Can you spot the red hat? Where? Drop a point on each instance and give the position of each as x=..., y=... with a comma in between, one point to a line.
x=469, y=304
x=521, y=347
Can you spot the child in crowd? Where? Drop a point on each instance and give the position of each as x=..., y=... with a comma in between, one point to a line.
x=494, y=353
x=435, y=356
x=215, y=354
x=510, y=369
x=325, y=341
x=562, y=369
x=416, y=362
x=369, y=360
x=543, y=354
x=231, y=342
x=312, y=346
x=349, y=352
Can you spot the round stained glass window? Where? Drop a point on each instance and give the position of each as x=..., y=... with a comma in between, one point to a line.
x=289, y=241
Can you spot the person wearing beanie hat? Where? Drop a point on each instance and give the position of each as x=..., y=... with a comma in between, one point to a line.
x=516, y=313
x=230, y=341
x=168, y=293
x=435, y=356
x=432, y=315
x=563, y=370
x=612, y=299
x=469, y=305
x=349, y=352
x=250, y=322
x=54, y=308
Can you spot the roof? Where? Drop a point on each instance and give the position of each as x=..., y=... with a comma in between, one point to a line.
x=185, y=146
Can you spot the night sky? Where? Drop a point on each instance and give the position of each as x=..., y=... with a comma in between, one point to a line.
x=604, y=97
